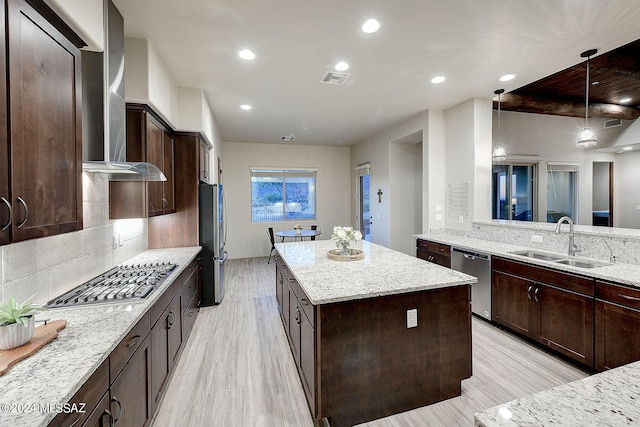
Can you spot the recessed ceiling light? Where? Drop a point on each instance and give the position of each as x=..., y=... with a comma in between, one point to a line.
x=370, y=26
x=507, y=77
x=246, y=107
x=627, y=148
x=342, y=66
x=437, y=79
x=625, y=100
x=247, y=54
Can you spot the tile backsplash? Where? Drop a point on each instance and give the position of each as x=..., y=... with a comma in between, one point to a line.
x=50, y=266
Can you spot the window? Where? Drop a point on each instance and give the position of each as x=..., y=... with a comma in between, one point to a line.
x=278, y=195
x=514, y=192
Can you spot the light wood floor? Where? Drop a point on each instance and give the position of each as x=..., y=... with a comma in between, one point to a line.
x=237, y=369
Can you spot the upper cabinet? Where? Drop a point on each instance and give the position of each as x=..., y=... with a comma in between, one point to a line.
x=40, y=151
x=149, y=139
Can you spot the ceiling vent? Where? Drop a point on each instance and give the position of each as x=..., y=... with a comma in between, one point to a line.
x=288, y=138
x=612, y=123
x=333, y=78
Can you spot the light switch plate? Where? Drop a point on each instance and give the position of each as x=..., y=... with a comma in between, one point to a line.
x=412, y=318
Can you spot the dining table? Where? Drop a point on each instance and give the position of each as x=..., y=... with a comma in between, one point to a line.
x=297, y=234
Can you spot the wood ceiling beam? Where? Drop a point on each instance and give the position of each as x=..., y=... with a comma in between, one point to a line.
x=528, y=104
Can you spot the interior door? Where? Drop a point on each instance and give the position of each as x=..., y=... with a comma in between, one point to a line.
x=363, y=200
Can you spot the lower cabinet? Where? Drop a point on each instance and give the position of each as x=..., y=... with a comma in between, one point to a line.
x=130, y=400
x=436, y=253
x=128, y=386
x=553, y=308
x=617, y=325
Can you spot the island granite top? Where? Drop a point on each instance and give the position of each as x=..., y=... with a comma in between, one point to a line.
x=606, y=399
x=382, y=272
x=30, y=389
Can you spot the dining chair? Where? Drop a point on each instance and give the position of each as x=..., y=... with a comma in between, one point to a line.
x=313, y=227
x=270, y=233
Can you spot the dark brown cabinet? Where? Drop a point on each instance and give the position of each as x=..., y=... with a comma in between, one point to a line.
x=149, y=139
x=436, y=253
x=555, y=309
x=130, y=399
x=617, y=325
x=41, y=193
x=298, y=316
x=180, y=228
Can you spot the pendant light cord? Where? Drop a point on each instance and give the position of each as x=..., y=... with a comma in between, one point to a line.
x=586, y=97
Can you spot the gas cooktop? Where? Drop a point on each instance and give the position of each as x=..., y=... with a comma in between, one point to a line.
x=120, y=283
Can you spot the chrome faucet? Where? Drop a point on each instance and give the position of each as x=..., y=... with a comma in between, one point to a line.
x=572, y=246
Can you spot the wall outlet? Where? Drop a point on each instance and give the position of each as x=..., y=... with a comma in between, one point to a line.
x=115, y=241
x=412, y=318
x=461, y=219
x=120, y=243
x=438, y=217
x=536, y=238
x=438, y=208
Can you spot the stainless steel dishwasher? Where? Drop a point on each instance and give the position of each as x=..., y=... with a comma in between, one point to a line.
x=477, y=265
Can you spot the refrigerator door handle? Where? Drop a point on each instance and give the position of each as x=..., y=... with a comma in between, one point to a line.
x=224, y=256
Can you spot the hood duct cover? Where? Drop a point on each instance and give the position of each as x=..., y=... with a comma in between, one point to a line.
x=103, y=120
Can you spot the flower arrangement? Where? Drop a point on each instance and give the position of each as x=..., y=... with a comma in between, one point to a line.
x=17, y=323
x=344, y=236
x=297, y=227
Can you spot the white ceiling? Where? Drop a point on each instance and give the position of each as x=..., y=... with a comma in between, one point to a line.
x=470, y=42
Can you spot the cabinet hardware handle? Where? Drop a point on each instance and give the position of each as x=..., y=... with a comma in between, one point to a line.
x=535, y=295
x=114, y=399
x=629, y=298
x=110, y=423
x=133, y=341
x=297, y=315
x=6, y=202
x=170, y=319
x=191, y=313
x=529, y=293
x=74, y=423
x=304, y=301
x=164, y=203
x=26, y=212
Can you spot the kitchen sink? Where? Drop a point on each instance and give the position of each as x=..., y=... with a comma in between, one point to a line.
x=581, y=263
x=559, y=259
x=545, y=256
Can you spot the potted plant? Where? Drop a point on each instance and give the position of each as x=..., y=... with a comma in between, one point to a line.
x=17, y=322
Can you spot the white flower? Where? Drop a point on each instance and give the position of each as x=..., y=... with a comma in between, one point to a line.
x=341, y=234
x=345, y=235
x=357, y=234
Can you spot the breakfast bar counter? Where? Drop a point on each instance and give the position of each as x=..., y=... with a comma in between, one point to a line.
x=376, y=336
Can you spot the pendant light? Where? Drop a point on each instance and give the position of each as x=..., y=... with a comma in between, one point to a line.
x=499, y=154
x=586, y=137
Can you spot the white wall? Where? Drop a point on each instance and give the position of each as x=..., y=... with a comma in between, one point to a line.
x=434, y=168
x=600, y=186
x=85, y=17
x=553, y=138
x=627, y=190
x=247, y=239
x=405, y=166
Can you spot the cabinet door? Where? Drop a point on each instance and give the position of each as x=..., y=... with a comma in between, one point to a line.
x=168, y=189
x=279, y=285
x=155, y=155
x=617, y=340
x=294, y=328
x=5, y=197
x=46, y=126
x=165, y=344
x=308, y=360
x=564, y=321
x=130, y=399
x=510, y=297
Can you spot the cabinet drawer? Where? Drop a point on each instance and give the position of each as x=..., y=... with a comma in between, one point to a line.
x=165, y=299
x=548, y=276
x=303, y=302
x=190, y=287
x=622, y=295
x=129, y=344
x=89, y=394
x=434, y=247
x=189, y=316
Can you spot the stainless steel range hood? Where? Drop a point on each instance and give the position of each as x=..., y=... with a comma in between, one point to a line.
x=103, y=121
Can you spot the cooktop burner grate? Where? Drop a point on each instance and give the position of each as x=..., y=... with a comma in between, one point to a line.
x=119, y=283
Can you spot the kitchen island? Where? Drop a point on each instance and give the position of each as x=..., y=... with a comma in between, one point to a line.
x=373, y=337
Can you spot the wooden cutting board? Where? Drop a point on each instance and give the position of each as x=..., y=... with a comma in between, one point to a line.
x=42, y=335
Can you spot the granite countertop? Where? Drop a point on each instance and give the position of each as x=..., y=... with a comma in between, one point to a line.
x=382, y=272
x=606, y=399
x=627, y=274
x=56, y=372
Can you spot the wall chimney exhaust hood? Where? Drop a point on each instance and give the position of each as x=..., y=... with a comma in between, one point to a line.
x=103, y=120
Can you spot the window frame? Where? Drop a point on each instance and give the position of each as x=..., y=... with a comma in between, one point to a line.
x=284, y=173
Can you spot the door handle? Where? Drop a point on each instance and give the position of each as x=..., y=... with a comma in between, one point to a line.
x=26, y=212
x=535, y=295
x=6, y=202
x=629, y=298
x=529, y=293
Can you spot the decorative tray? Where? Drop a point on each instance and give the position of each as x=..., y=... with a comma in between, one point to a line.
x=335, y=254
x=42, y=335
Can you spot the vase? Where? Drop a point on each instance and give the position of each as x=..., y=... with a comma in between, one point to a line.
x=345, y=250
x=15, y=334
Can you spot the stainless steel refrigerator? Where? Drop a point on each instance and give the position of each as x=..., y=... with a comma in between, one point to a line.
x=213, y=236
